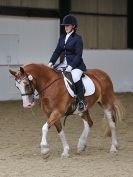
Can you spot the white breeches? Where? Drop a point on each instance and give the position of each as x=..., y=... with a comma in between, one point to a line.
x=76, y=75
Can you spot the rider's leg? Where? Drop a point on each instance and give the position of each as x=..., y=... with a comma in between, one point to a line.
x=76, y=75
x=80, y=93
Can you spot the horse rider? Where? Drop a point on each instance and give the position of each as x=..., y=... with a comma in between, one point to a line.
x=70, y=47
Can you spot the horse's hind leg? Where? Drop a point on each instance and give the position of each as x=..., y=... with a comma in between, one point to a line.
x=63, y=139
x=83, y=138
x=111, y=123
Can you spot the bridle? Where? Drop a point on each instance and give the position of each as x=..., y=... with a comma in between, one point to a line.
x=31, y=86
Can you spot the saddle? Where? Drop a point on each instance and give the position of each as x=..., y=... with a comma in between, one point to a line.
x=88, y=87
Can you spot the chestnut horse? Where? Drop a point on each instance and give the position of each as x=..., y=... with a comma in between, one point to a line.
x=55, y=101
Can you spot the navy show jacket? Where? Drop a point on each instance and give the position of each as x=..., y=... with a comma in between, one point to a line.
x=72, y=50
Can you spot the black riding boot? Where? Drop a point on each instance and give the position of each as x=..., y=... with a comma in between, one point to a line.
x=80, y=94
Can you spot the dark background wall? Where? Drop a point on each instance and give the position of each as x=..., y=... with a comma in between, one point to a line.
x=59, y=8
x=130, y=24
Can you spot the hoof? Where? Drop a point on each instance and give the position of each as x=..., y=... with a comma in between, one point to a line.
x=81, y=149
x=113, y=149
x=64, y=156
x=44, y=150
x=45, y=156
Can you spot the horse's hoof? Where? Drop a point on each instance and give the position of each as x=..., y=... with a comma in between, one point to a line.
x=44, y=151
x=78, y=152
x=113, y=149
x=64, y=156
x=45, y=156
x=81, y=149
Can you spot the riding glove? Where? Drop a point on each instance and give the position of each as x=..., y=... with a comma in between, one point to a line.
x=50, y=65
x=68, y=68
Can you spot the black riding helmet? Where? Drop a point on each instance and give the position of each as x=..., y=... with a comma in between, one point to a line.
x=69, y=20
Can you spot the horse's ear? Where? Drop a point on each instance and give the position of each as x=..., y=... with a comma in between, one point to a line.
x=22, y=70
x=12, y=72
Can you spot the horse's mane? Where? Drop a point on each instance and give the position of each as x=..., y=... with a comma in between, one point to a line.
x=34, y=65
x=40, y=67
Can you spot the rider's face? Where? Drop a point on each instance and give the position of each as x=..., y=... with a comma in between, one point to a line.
x=68, y=28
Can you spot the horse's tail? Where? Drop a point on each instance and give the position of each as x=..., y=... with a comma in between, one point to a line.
x=118, y=112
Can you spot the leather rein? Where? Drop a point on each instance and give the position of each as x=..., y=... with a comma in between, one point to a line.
x=31, y=87
x=39, y=93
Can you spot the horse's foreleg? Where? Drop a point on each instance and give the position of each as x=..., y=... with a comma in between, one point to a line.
x=53, y=119
x=83, y=138
x=63, y=139
x=112, y=127
x=44, y=145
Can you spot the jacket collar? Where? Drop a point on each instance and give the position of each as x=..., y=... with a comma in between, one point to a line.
x=70, y=37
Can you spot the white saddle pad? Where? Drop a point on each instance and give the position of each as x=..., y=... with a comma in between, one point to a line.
x=88, y=84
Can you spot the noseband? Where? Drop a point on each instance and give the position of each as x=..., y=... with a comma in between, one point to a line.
x=31, y=87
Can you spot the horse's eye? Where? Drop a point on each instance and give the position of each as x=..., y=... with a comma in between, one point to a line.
x=25, y=82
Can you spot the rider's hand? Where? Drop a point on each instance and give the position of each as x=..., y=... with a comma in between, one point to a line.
x=68, y=68
x=50, y=64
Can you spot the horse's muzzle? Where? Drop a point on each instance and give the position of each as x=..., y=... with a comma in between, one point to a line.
x=28, y=105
